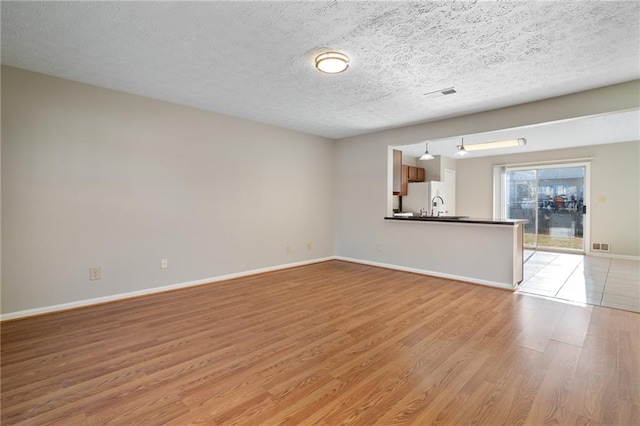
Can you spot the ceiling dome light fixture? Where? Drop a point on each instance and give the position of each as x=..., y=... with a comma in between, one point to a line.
x=461, y=151
x=332, y=62
x=426, y=155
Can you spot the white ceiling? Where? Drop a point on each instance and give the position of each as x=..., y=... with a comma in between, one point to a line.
x=595, y=130
x=255, y=59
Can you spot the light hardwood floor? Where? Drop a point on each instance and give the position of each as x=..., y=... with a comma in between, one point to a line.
x=329, y=343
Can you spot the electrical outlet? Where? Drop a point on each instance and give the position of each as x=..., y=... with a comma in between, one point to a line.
x=287, y=249
x=308, y=245
x=95, y=273
x=378, y=247
x=164, y=263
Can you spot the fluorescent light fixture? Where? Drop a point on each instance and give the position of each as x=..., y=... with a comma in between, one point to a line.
x=332, y=62
x=426, y=155
x=495, y=145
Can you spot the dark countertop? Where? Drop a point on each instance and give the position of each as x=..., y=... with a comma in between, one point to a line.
x=466, y=220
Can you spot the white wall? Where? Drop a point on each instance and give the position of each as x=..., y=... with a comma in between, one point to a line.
x=435, y=168
x=362, y=198
x=615, y=189
x=94, y=177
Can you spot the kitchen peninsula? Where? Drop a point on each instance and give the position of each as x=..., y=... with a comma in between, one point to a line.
x=481, y=251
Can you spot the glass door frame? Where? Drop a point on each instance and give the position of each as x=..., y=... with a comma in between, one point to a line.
x=500, y=196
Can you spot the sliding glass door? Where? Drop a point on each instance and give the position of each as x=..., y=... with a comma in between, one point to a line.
x=552, y=198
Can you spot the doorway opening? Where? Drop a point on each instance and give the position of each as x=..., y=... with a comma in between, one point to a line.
x=553, y=199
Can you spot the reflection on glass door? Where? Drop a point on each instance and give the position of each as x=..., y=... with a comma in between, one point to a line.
x=553, y=200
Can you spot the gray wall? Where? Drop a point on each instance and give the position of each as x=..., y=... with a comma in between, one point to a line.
x=615, y=189
x=363, y=199
x=94, y=177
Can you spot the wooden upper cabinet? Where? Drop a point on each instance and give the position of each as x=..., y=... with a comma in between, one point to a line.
x=413, y=174
x=416, y=174
x=404, y=189
x=397, y=172
x=403, y=174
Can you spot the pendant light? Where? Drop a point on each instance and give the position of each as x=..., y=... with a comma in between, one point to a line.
x=461, y=151
x=426, y=155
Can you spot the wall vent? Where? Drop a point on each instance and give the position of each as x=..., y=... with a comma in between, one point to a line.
x=601, y=247
x=441, y=92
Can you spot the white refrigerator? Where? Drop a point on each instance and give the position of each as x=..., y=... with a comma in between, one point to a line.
x=420, y=197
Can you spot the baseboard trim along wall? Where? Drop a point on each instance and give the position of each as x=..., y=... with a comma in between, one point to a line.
x=150, y=291
x=122, y=296
x=426, y=272
x=614, y=256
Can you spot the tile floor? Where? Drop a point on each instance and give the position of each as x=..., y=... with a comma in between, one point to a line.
x=614, y=283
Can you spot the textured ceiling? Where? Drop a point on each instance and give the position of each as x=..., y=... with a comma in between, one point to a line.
x=255, y=59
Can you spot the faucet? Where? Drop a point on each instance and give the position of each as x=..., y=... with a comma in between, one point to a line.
x=435, y=204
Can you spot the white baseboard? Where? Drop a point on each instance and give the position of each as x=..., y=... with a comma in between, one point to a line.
x=122, y=296
x=426, y=272
x=613, y=256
